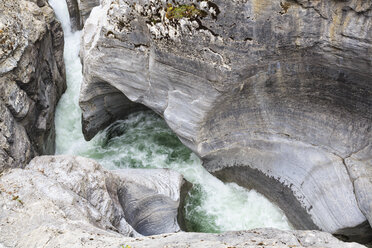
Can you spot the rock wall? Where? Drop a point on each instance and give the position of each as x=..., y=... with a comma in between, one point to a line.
x=32, y=79
x=274, y=95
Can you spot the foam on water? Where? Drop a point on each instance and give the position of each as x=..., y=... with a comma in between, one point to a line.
x=145, y=141
x=68, y=114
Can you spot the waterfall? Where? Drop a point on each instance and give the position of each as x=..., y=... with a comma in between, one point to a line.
x=144, y=141
x=69, y=136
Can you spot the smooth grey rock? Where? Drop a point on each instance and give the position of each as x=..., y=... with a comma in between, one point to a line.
x=150, y=199
x=147, y=199
x=32, y=79
x=102, y=104
x=361, y=175
x=273, y=95
x=91, y=182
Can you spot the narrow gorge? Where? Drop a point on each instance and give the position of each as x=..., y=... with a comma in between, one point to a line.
x=185, y=123
x=143, y=140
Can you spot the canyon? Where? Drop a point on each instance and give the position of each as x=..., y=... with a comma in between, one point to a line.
x=274, y=96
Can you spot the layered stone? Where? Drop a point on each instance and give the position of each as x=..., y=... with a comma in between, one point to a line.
x=275, y=96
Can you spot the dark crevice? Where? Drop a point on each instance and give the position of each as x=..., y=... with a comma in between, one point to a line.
x=202, y=27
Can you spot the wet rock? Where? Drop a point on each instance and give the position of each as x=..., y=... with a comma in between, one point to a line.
x=32, y=79
x=79, y=11
x=273, y=95
x=75, y=18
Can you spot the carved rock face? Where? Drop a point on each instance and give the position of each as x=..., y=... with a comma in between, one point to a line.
x=273, y=95
x=62, y=194
x=32, y=79
x=64, y=201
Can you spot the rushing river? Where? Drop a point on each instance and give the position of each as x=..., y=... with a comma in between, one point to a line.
x=145, y=141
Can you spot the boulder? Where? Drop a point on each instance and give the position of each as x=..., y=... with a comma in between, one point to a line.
x=150, y=199
x=129, y=201
x=272, y=95
x=32, y=79
x=93, y=187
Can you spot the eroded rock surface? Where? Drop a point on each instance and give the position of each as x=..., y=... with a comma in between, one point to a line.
x=127, y=201
x=361, y=174
x=65, y=201
x=32, y=79
x=274, y=95
x=88, y=181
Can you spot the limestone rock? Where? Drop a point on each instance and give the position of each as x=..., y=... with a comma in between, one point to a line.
x=85, y=7
x=150, y=199
x=273, y=95
x=79, y=11
x=64, y=201
x=32, y=79
x=36, y=209
x=147, y=199
x=360, y=171
x=253, y=238
x=15, y=146
x=90, y=182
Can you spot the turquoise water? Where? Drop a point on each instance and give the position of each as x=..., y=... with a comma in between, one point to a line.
x=145, y=141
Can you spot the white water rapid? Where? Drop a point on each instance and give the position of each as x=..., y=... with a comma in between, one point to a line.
x=145, y=141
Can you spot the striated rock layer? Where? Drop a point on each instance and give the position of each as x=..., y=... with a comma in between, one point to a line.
x=128, y=201
x=79, y=11
x=274, y=95
x=57, y=196
x=32, y=79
